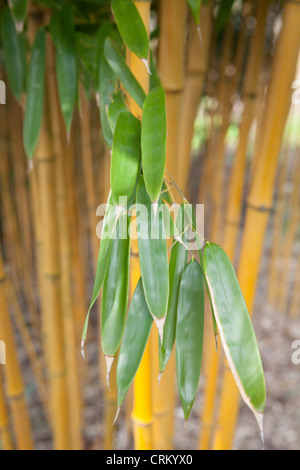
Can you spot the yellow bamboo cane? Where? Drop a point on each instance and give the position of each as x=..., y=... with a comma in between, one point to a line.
x=14, y=382
x=277, y=230
x=235, y=203
x=5, y=434
x=172, y=19
x=289, y=239
x=260, y=198
x=142, y=409
x=45, y=161
x=70, y=344
x=196, y=68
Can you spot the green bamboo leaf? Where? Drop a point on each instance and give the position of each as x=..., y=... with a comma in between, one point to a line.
x=19, y=9
x=189, y=334
x=223, y=15
x=153, y=257
x=235, y=329
x=107, y=83
x=154, y=76
x=85, y=45
x=178, y=261
x=123, y=72
x=116, y=107
x=108, y=227
x=131, y=27
x=63, y=35
x=154, y=139
x=35, y=94
x=125, y=157
x=195, y=6
x=115, y=294
x=101, y=35
x=136, y=334
x=13, y=51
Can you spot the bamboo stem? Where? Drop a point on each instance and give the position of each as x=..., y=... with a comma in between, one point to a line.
x=14, y=381
x=5, y=435
x=172, y=19
x=71, y=346
x=142, y=409
x=196, y=68
x=260, y=197
x=45, y=160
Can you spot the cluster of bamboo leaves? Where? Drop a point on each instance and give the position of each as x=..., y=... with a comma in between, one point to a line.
x=170, y=292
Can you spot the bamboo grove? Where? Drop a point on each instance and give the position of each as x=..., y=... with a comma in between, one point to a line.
x=102, y=238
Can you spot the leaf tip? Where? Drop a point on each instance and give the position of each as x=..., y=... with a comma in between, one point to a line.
x=117, y=415
x=82, y=348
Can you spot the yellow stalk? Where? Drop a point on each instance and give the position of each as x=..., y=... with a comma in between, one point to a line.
x=260, y=198
x=277, y=229
x=142, y=410
x=289, y=239
x=14, y=382
x=196, y=68
x=46, y=164
x=234, y=208
x=71, y=346
x=172, y=19
x=5, y=435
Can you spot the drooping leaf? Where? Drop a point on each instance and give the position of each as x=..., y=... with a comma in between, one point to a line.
x=35, y=93
x=178, y=261
x=125, y=157
x=123, y=72
x=108, y=226
x=136, y=334
x=189, y=334
x=195, y=6
x=14, y=53
x=19, y=9
x=223, y=15
x=116, y=107
x=153, y=256
x=107, y=82
x=235, y=329
x=131, y=27
x=115, y=293
x=154, y=141
x=63, y=35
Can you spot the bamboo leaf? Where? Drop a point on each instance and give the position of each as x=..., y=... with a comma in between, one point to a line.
x=115, y=293
x=35, y=94
x=189, y=334
x=131, y=27
x=63, y=34
x=154, y=140
x=122, y=71
x=116, y=107
x=223, y=15
x=125, y=157
x=153, y=256
x=195, y=6
x=235, y=329
x=178, y=261
x=19, y=9
x=107, y=82
x=136, y=334
x=13, y=51
x=108, y=226
x=101, y=35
